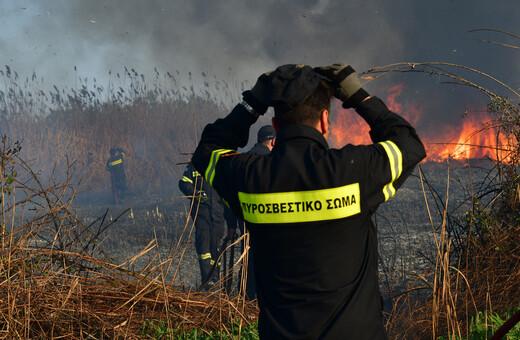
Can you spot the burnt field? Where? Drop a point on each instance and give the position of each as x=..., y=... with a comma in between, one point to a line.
x=152, y=227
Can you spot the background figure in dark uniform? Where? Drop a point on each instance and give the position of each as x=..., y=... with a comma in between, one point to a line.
x=117, y=172
x=207, y=210
x=265, y=142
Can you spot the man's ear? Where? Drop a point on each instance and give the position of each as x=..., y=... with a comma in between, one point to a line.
x=324, y=123
x=274, y=122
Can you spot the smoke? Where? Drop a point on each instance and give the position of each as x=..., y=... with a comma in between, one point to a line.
x=238, y=40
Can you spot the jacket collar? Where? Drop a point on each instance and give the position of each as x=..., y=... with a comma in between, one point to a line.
x=295, y=132
x=261, y=147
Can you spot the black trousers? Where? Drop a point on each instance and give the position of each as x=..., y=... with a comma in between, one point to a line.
x=209, y=230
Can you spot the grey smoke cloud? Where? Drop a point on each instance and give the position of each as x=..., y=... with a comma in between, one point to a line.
x=240, y=39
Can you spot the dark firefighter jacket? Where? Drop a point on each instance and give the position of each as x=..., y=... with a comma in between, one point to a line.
x=308, y=209
x=116, y=168
x=260, y=149
x=191, y=183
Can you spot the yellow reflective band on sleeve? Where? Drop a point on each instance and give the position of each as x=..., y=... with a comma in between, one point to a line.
x=119, y=161
x=210, y=171
x=206, y=256
x=186, y=179
x=225, y=202
x=395, y=157
x=301, y=206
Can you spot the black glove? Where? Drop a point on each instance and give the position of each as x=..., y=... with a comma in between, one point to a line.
x=258, y=96
x=346, y=83
x=201, y=196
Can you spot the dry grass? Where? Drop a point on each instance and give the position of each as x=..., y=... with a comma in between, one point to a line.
x=477, y=263
x=54, y=283
x=105, y=305
x=483, y=276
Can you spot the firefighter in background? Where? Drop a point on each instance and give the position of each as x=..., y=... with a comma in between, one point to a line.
x=207, y=211
x=266, y=138
x=116, y=167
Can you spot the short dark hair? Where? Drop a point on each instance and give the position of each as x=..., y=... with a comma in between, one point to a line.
x=309, y=111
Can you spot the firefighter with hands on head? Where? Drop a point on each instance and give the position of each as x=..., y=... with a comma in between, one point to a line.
x=309, y=207
x=207, y=212
x=266, y=138
x=115, y=165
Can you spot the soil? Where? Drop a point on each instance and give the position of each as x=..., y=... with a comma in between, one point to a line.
x=156, y=222
x=406, y=226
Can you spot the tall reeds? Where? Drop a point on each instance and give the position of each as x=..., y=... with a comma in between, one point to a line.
x=476, y=269
x=154, y=124
x=56, y=281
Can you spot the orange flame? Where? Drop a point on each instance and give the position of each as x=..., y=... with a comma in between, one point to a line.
x=348, y=127
x=477, y=137
x=474, y=137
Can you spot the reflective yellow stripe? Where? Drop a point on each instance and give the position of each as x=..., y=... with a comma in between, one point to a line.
x=205, y=256
x=301, y=206
x=119, y=161
x=395, y=157
x=210, y=171
x=225, y=202
x=186, y=179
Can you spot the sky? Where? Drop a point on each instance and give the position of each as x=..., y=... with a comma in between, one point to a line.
x=237, y=40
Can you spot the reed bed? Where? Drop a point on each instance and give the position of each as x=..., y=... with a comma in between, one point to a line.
x=155, y=124
x=476, y=268
x=57, y=283
x=476, y=272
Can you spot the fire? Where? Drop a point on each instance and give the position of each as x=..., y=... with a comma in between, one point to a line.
x=473, y=137
x=477, y=137
x=412, y=113
x=349, y=127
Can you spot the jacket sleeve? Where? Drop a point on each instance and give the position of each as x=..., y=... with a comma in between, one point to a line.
x=187, y=181
x=396, y=151
x=216, y=151
x=222, y=137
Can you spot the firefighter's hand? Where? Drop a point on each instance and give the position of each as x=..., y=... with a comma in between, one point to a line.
x=201, y=196
x=258, y=96
x=345, y=82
